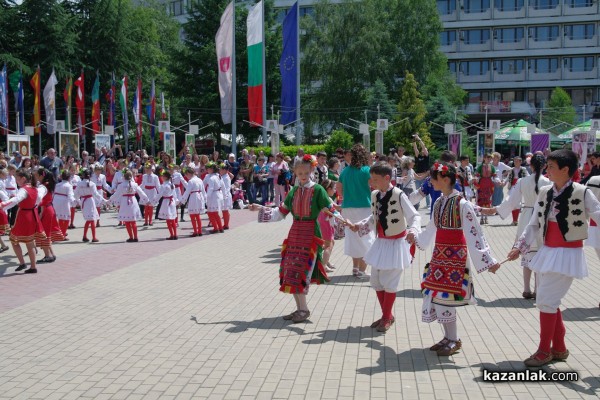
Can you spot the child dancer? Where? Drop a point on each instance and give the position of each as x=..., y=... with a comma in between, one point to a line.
x=28, y=226
x=129, y=209
x=447, y=281
x=74, y=181
x=150, y=185
x=326, y=225
x=227, y=199
x=118, y=178
x=99, y=179
x=516, y=173
x=560, y=222
x=179, y=183
x=214, y=197
x=393, y=216
x=301, y=255
x=10, y=186
x=485, y=175
x=168, y=198
x=88, y=197
x=63, y=199
x=526, y=190
x=46, y=184
x=4, y=225
x=195, y=197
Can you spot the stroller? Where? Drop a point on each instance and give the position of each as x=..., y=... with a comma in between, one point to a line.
x=238, y=195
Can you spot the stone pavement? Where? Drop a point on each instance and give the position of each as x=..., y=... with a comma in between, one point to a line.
x=200, y=318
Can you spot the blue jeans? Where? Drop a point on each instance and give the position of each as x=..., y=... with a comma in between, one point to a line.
x=249, y=189
x=262, y=189
x=271, y=190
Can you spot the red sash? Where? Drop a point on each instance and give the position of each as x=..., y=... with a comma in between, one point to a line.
x=554, y=237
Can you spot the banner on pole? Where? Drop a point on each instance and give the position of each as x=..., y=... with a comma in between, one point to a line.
x=164, y=126
x=540, y=142
x=364, y=129
x=190, y=140
x=494, y=125
x=68, y=144
x=272, y=125
x=583, y=144
x=455, y=142
x=274, y=143
x=448, y=129
x=109, y=130
x=29, y=130
x=485, y=144
x=20, y=143
x=101, y=141
x=379, y=141
x=169, y=144
x=382, y=124
x=194, y=129
x=59, y=126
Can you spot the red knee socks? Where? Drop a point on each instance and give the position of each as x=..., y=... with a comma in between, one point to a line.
x=558, y=341
x=219, y=224
x=129, y=231
x=380, y=298
x=225, y=219
x=85, y=228
x=72, y=215
x=196, y=223
x=547, y=329
x=93, y=226
x=388, y=304
x=515, y=215
x=64, y=225
x=172, y=225
x=214, y=219
x=134, y=229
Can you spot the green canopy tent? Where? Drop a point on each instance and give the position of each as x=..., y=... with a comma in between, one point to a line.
x=583, y=127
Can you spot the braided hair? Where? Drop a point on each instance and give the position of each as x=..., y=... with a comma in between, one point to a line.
x=537, y=163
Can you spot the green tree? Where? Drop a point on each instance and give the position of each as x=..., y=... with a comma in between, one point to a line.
x=559, y=109
x=338, y=138
x=376, y=97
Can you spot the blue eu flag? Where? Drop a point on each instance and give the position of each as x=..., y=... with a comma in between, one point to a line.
x=288, y=65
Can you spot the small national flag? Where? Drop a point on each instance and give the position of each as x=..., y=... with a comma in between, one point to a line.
x=96, y=106
x=35, y=84
x=4, y=100
x=123, y=101
x=50, y=103
x=80, y=103
x=67, y=97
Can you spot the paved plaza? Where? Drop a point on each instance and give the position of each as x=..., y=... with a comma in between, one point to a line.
x=201, y=318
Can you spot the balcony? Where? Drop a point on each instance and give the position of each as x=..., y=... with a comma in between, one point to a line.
x=449, y=17
x=543, y=11
x=507, y=77
x=509, y=45
x=544, y=76
x=591, y=9
x=449, y=48
x=568, y=74
x=543, y=44
x=464, y=46
x=475, y=14
x=589, y=42
x=507, y=13
x=462, y=78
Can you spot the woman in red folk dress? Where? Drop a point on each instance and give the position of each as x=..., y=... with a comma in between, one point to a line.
x=4, y=225
x=485, y=175
x=53, y=233
x=28, y=226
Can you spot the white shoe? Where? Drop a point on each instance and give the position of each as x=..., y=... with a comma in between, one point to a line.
x=363, y=275
x=328, y=269
x=329, y=265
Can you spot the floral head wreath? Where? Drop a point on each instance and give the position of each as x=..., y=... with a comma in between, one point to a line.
x=211, y=165
x=222, y=166
x=148, y=166
x=441, y=168
x=171, y=166
x=309, y=159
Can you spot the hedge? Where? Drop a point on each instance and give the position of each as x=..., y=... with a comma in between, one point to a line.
x=292, y=151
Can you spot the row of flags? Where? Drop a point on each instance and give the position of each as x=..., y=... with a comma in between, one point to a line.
x=15, y=81
x=288, y=64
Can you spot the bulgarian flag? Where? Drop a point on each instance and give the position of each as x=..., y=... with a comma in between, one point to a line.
x=96, y=106
x=255, y=63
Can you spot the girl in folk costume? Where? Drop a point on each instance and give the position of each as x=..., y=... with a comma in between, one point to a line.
x=301, y=255
x=167, y=198
x=195, y=198
x=118, y=178
x=180, y=183
x=516, y=173
x=485, y=174
x=326, y=223
x=28, y=226
x=10, y=186
x=88, y=197
x=62, y=201
x=150, y=185
x=524, y=192
x=46, y=185
x=4, y=225
x=74, y=180
x=392, y=217
x=560, y=223
x=99, y=180
x=129, y=209
x=593, y=240
x=447, y=281
x=214, y=197
x=227, y=198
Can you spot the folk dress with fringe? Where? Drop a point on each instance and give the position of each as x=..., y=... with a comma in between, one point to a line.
x=28, y=226
x=302, y=251
x=49, y=220
x=458, y=242
x=4, y=225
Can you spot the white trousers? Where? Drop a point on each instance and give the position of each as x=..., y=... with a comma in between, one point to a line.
x=551, y=288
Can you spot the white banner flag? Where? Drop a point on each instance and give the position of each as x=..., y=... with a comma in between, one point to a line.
x=50, y=103
x=224, y=41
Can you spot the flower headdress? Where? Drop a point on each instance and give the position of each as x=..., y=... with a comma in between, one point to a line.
x=309, y=159
x=441, y=168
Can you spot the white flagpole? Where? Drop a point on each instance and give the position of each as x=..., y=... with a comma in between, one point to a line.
x=298, y=125
x=233, y=95
x=264, y=74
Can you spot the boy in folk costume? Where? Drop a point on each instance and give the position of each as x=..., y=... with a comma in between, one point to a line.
x=74, y=180
x=560, y=222
x=150, y=184
x=167, y=198
x=393, y=216
x=64, y=198
x=227, y=198
x=516, y=173
x=88, y=197
x=99, y=179
x=593, y=240
x=214, y=197
x=195, y=198
x=525, y=191
x=457, y=237
x=129, y=210
x=301, y=254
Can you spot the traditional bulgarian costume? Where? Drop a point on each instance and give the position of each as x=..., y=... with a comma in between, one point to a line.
x=214, y=200
x=62, y=201
x=302, y=251
x=52, y=230
x=150, y=184
x=195, y=198
x=485, y=174
x=28, y=225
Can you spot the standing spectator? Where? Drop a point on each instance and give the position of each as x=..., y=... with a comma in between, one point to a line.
x=233, y=166
x=260, y=176
x=271, y=180
x=52, y=163
x=280, y=172
x=85, y=159
x=299, y=155
x=354, y=189
x=421, y=166
x=16, y=160
x=247, y=172
x=499, y=183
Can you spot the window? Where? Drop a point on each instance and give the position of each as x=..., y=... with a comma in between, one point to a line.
x=544, y=33
x=580, y=32
x=507, y=67
x=476, y=97
x=509, y=5
x=544, y=65
x=177, y=7
x=452, y=67
x=580, y=96
x=476, y=6
x=510, y=95
x=538, y=97
x=509, y=35
x=304, y=11
x=579, y=3
x=543, y=4
x=446, y=7
x=447, y=38
x=474, y=68
x=476, y=36
x=579, y=64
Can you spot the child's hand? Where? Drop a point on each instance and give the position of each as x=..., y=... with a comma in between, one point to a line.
x=513, y=254
x=410, y=238
x=494, y=268
x=488, y=211
x=353, y=227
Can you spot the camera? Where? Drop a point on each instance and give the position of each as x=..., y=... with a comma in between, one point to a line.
x=392, y=150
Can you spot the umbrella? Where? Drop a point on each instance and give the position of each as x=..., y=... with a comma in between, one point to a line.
x=520, y=131
x=583, y=127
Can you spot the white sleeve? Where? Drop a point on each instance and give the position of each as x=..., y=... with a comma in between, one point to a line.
x=413, y=218
x=416, y=196
x=512, y=203
x=366, y=225
x=3, y=196
x=424, y=239
x=71, y=195
x=19, y=197
x=186, y=193
x=41, y=192
x=477, y=246
x=105, y=185
x=98, y=198
x=267, y=214
x=116, y=196
x=141, y=193
x=592, y=206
